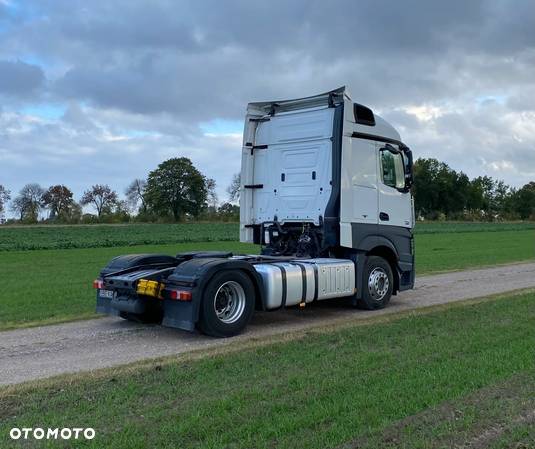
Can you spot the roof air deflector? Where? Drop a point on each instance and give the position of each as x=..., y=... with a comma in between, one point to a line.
x=363, y=115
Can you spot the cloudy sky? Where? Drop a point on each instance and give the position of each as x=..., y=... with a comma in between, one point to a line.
x=102, y=91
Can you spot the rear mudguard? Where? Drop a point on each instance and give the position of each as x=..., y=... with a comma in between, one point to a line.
x=194, y=275
x=133, y=261
x=127, y=269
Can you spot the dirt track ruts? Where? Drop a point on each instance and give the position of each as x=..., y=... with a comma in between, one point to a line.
x=34, y=353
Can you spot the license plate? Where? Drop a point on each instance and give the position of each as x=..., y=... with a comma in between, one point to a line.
x=106, y=294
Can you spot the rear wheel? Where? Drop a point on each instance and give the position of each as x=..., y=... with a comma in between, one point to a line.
x=378, y=284
x=227, y=304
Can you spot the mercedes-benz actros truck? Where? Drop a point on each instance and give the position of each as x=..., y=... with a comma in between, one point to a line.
x=326, y=193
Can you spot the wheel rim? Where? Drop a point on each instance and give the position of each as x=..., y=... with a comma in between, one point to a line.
x=378, y=284
x=229, y=302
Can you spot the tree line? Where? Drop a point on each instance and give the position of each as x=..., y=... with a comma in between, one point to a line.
x=440, y=192
x=176, y=190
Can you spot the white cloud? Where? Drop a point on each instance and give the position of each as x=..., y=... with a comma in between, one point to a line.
x=425, y=113
x=139, y=85
x=70, y=155
x=502, y=165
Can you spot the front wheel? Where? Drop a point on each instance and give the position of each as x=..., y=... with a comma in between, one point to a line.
x=378, y=284
x=227, y=304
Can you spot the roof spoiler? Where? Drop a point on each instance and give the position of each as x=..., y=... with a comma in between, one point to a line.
x=330, y=99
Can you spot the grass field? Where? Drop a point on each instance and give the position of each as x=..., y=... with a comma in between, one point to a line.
x=453, y=377
x=17, y=238
x=46, y=286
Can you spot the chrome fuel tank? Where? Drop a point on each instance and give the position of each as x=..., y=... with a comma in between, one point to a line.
x=305, y=280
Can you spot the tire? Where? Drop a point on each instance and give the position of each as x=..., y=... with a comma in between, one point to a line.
x=227, y=305
x=378, y=284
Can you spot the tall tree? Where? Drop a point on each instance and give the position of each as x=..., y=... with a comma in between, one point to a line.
x=102, y=197
x=29, y=202
x=485, y=186
x=176, y=188
x=233, y=189
x=495, y=196
x=426, y=188
x=58, y=199
x=228, y=211
x=525, y=201
x=212, y=194
x=135, y=194
x=19, y=206
x=502, y=195
x=5, y=196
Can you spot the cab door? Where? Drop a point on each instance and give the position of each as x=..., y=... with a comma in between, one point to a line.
x=395, y=204
x=362, y=161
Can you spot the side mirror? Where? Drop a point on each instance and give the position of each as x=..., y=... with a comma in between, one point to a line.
x=409, y=179
x=390, y=149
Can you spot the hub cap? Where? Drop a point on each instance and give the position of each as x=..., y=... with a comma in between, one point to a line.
x=378, y=284
x=229, y=302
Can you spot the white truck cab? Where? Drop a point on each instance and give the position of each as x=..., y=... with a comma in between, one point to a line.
x=328, y=165
x=325, y=190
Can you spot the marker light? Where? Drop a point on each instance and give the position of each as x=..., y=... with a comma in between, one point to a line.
x=180, y=295
x=98, y=283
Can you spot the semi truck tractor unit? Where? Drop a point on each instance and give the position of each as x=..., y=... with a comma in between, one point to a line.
x=326, y=193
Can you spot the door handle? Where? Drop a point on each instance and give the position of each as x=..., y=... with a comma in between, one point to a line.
x=383, y=216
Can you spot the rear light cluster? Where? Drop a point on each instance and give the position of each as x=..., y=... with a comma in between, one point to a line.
x=153, y=288
x=179, y=295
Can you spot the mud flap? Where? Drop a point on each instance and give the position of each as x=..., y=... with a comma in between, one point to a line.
x=406, y=274
x=179, y=314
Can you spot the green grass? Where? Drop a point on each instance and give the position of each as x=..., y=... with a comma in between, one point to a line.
x=17, y=238
x=457, y=251
x=47, y=286
x=500, y=415
x=441, y=227
x=322, y=390
x=50, y=286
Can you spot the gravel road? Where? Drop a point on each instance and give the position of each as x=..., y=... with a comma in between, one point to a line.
x=28, y=354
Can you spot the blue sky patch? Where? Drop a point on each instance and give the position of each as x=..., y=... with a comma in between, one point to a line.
x=222, y=126
x=45, y=111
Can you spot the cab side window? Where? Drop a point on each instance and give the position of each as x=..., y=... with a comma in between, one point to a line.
x=392, y=169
